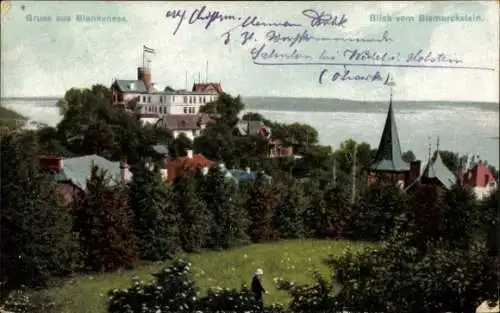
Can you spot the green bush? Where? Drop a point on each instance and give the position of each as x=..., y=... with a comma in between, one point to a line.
x=174, y=291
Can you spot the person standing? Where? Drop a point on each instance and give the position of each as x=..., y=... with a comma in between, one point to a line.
x=257, y=287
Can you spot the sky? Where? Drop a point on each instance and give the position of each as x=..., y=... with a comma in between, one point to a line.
x=46, y=58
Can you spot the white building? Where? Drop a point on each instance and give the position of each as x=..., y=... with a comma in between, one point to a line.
x=151, y=101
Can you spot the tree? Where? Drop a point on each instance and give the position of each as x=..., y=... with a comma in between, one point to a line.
x=377, y=209
x=229, y=217
x=195, y=217
x=262, y=202
x=36, y=240
x=290, y=215
x=409, y=156
x=329, y=213
x=450, y=159
x=91, y=125
x=428, y=215
x=104, y=223
x=461, y=217
x=226, y=107
x=180, y=146
x=253, y=116
x=156, y=221
x=490, y=222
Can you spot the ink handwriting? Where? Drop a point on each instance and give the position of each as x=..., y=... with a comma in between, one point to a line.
x=206, y=17
x=355, y=57
x=325, y=19
x=347, y=75
x=304, y=36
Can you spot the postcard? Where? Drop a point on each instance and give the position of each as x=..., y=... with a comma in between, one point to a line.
x=257, y=156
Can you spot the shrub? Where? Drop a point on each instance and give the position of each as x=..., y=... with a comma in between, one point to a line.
x=174, y=291
x=22, y=301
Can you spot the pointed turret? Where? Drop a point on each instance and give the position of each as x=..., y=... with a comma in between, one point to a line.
x=436, y=171
x=389, y=157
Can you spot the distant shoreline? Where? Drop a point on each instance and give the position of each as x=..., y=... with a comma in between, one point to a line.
x=302, y=98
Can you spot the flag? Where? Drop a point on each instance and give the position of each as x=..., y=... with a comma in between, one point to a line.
x=149, y=50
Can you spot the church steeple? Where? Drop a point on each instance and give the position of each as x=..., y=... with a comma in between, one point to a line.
x=389, y=157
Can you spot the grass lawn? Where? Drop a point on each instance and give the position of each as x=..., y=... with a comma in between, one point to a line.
x=292, y=260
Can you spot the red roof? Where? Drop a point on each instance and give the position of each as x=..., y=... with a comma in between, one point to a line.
x=177, y=166
x=207, y=87
x=478, y=176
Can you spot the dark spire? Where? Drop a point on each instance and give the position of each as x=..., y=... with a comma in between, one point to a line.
x=389, y=158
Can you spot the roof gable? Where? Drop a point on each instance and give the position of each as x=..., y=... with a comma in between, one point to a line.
x=130, y=86
x=438, y=171
x=180, y=122
x=78, y=170
x=207, y=87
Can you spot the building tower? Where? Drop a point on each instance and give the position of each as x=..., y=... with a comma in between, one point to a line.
x=144, y=72
x=389, y=163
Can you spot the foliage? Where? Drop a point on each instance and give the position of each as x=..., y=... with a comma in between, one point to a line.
x=180, y=146
x=37, y=243
x=194, y=215
x=156, y=220
x=461, y=217
x=229, y=217
x=92, y=126
x=377, y=209
x=262, y=203
x=490, y=221
x=450, y=159
x=226, y=108
x=290, y=215
x=20, y=301
x=329, y=213
x=399, y=279
x=409, y=156
x=174, y=291
x=103, y=221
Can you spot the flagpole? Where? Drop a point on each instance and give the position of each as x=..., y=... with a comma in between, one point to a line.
x=206, y=74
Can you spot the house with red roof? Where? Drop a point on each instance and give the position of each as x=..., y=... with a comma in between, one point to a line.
x=207, y=87
x=479, y=177
x=191, y=163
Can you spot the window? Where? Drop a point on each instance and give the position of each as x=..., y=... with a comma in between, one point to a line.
x=173, y=98
x=194, y=99
x=190, y=99
x=185, y=110
x=161, y=99
x=149, y=99
x=144, y=99
x=185, y=99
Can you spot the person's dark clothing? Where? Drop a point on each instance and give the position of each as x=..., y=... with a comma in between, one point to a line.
x=257, y=289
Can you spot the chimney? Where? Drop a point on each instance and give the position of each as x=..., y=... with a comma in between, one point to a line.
x=190, y=154
x=247, y=169
x=124, y=171
x=414, y=171
x=51, y=163
x=144, y=74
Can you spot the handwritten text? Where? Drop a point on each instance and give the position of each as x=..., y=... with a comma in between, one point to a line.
x=346, y=75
